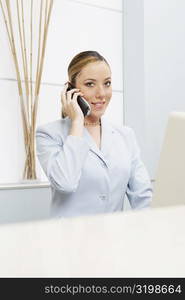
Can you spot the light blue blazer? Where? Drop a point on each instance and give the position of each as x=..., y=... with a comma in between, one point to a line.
x=86, y=180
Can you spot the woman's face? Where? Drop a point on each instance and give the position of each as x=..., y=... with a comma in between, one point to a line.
x=94, y=81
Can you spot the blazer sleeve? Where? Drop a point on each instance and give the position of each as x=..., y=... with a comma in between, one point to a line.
x=62, y=161
x=139, y=190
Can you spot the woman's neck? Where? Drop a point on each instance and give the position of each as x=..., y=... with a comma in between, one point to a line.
x=92, y=121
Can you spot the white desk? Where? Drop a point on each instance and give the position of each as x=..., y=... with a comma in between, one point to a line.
x=147, y=243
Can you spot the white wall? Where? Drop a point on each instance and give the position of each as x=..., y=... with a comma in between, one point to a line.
x=154, y=70
x=133, y=69
x=164, y=48
x=75, y=26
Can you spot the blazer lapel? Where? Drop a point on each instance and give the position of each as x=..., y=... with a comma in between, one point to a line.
x=93, y=147
x=106, y=139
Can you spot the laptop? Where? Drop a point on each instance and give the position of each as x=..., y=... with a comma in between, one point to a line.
x=169, y=186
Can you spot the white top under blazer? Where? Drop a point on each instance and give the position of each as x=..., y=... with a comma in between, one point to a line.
x=88, y=180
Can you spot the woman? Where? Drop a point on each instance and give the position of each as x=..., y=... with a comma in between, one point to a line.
x=90, y=163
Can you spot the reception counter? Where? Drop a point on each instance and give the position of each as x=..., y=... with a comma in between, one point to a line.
x=147, y=243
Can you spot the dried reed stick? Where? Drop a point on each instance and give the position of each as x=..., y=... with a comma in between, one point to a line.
x=14, y=53
x=37, y=88
x=28, y=99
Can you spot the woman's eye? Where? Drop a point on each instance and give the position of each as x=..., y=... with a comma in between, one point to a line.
x=89, y=84
x=108, y=83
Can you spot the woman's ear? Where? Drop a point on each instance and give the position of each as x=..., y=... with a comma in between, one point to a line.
x=63, y=115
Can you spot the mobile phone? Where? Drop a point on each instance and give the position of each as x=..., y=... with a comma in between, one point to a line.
x=84, y=105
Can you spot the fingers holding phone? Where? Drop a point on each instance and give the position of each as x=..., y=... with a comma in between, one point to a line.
x=69, y=103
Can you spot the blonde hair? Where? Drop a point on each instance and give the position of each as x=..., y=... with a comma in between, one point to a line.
x=80, y=61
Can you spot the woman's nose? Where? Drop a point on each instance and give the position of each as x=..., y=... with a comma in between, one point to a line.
x=100, y=92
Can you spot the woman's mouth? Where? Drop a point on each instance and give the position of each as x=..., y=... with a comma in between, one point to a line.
x=98, y=105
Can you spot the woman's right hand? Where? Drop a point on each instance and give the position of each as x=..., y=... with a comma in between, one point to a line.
x=70, y=105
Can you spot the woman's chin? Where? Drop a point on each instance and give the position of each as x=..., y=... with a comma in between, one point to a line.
x=97, y=114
